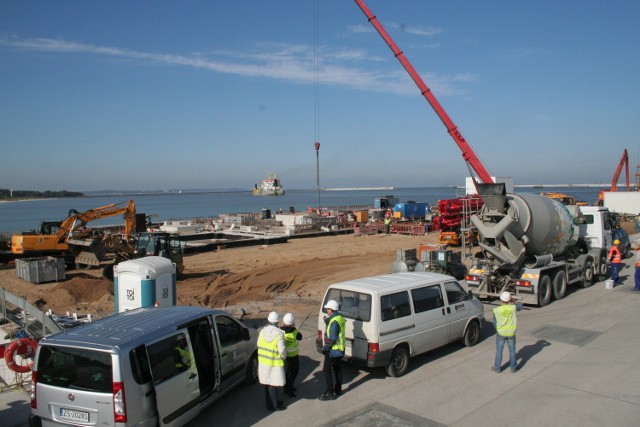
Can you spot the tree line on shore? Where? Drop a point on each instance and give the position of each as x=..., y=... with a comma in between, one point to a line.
x=33, y=194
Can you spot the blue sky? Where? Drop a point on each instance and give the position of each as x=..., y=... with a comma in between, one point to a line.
x=215, y=94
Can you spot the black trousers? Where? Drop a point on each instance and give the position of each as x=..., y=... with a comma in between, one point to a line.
x=271, y=396
x=293, y=367
x=332, y=369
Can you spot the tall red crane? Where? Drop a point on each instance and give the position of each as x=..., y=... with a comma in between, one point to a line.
x=473, y=162
x=624, y=161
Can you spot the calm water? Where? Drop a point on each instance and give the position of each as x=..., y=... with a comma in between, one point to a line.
x=27, y=215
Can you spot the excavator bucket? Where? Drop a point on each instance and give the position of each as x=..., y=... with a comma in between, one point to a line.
x=87, y=252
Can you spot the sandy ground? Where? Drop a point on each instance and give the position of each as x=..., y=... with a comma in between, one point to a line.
x=247, y=281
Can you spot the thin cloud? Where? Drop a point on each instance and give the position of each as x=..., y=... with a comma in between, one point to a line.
x=277, y=61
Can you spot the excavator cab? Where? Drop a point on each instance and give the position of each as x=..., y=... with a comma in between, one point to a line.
x=158, y=243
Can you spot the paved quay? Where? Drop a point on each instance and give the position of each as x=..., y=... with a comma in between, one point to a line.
x=578, y=361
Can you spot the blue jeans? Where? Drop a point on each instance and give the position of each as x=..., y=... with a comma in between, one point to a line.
x=637, y=278
x=511, y=343
x=615, y=268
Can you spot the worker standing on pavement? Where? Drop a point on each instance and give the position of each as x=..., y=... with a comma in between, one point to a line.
x=637, y=275
x=271, y=356
x=333, y=350
x=291, y=338
x=614, y=258
x=505, y=322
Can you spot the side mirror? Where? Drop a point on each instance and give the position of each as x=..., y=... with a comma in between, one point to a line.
x=470, y=295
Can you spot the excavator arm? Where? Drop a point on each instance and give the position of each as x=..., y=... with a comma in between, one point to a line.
x=77, y=220
x=469, y=156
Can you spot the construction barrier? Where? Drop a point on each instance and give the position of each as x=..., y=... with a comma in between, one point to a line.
x=409, y=229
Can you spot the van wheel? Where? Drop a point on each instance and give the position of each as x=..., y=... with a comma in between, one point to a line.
x=472, y=334
x=399, y=362
x=559, y=285
x=544, y=290
x=251, y=376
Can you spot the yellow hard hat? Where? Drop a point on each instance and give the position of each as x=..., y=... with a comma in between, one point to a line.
x=616, y=242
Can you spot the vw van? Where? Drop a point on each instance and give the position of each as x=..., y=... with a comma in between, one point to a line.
x=393, y=317
x=146, y=367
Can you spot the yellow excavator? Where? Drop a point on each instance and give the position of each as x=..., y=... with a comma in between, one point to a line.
x=52, y=237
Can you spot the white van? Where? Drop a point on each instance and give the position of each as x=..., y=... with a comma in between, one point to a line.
x=392, y=317
x=144, y=367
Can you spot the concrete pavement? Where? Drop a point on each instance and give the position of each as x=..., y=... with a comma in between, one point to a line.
x=578, y=361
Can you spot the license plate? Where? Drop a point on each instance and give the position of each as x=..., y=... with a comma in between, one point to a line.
x=74, y=415
x=473, y=282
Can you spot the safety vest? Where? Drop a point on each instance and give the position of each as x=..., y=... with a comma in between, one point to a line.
x=185, y=358
x=505, y=317
x=615, y=252
x=638, y=263
x=291, y=342
x=268, y=352
x=339, y=344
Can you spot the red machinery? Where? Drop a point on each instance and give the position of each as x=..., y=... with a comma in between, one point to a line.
x=624, y=161
x=473, y=162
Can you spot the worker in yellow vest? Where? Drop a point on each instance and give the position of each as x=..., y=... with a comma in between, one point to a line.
x=333, y=350
x=291, y=338
x=181, y=354
x=505, y=322
x=271, y=356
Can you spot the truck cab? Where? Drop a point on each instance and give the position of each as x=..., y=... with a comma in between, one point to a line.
x=596, y=226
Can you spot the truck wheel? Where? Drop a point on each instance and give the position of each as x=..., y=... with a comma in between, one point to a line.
x=399, y=362
x=559, y=285
x=587, y=274
x=603, y=269
x=544, y=291
x=472, y=334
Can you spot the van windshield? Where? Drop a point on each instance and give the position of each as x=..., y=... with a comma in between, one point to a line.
x=75, y=368
x=353, y=305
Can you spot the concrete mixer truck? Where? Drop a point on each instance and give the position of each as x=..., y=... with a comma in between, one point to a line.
x=535, y=247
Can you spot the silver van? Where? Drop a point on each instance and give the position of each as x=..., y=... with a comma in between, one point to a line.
x=393, y=317
x=144, y=367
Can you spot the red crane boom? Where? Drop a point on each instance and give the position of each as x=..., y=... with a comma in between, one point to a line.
x=624, y=160
x=473, y=162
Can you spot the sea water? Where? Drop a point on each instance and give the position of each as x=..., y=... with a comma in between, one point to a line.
x=16, y=216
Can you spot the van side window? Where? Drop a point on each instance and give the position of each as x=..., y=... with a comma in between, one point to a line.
x=229, y=330
x=140, y=365
x=455, y=293
x=427, y=298
x=395, y=306
x=352, y=305
x=169, y=357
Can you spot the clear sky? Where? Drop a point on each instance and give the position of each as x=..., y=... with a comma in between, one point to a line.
x=215, y=94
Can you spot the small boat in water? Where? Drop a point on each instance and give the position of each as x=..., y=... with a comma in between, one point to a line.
x=271, y=186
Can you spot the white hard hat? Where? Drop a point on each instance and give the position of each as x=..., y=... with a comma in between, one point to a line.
x=288, y=319
x=331, y=304
x=505, y=296
x=273, y=317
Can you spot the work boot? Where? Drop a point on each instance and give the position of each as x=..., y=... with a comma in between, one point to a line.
x=328, y=396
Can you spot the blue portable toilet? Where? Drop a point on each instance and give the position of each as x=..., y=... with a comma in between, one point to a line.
x=144, y=282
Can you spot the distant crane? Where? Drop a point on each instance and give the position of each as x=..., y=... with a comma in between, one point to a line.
x=624, y=161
